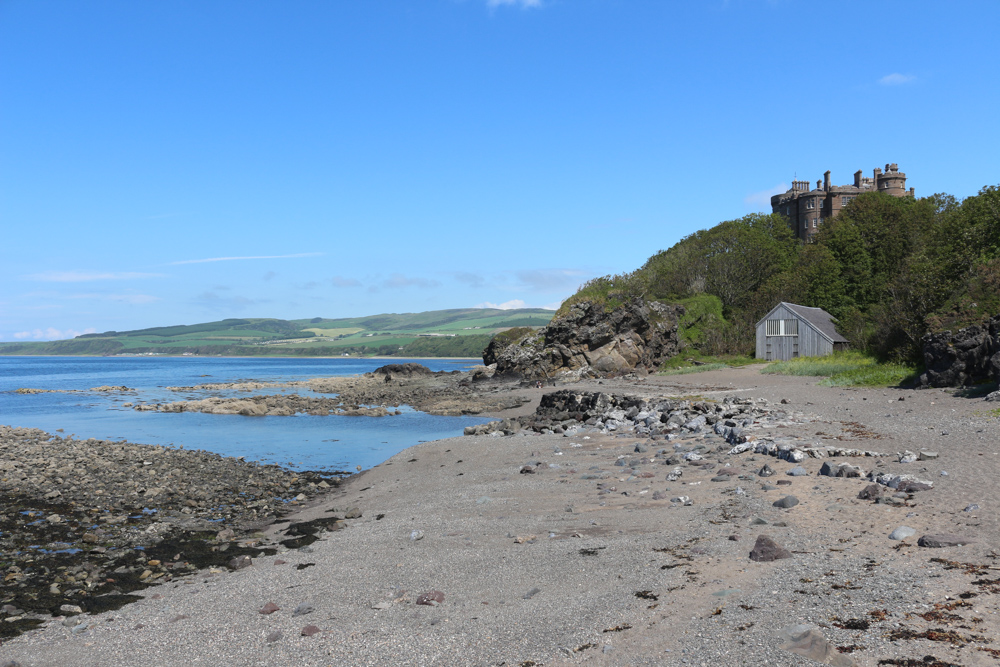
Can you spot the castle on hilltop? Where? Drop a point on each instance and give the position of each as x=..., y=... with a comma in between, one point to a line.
x=807, y=209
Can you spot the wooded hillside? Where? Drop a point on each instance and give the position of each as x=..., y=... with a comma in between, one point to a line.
x=890, y=269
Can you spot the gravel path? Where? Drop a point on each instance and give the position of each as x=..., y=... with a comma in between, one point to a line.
x=576, y=563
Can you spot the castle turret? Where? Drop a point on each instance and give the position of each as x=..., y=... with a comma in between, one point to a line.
x=892, y=182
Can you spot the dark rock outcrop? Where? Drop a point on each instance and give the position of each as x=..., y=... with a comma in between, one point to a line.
x=501, y=341
x=969, y=356
x=637, y=336
x=409, y=369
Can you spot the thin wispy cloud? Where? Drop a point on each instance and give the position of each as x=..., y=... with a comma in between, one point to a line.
x=340, y=281
x=897, y=79
x=762, y=199
x=240, y=259
x=471, y=279
x=506, y=305
x=132, y=299
x=51, y=333
x=524, y=4
x=216, y=302
x=398, y=280
x=87, y=276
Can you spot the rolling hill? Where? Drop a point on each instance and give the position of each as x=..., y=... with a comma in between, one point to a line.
x=461, y=332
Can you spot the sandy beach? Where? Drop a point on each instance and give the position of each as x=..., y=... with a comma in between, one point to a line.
x=576, y=562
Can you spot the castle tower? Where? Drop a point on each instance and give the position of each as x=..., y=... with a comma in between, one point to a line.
x=892, y=182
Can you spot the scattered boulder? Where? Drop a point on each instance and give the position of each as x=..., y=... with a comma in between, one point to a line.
x=870, y=492
x=840, y=470
x=786, y=502
x=902, y=533
x=240, y=562
x=765, y=550
x=942, y=540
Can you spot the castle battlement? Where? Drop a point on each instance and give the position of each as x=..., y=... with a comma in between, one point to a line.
x=806, y=208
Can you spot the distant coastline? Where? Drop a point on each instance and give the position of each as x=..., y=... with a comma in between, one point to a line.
x=457, y=333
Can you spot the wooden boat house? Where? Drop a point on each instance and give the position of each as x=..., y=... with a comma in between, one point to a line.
x=791, y=331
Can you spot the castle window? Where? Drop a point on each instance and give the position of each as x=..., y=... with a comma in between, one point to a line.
x=811, y=203
x=814, y=223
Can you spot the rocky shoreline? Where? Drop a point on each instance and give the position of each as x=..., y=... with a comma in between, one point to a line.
x=723, y=517
x=371, y=394
x=86, y=523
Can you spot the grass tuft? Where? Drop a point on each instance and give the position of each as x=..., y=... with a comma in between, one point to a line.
x=684, y=370
x=847, y=369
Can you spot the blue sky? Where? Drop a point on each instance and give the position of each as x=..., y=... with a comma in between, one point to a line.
x=178, y=162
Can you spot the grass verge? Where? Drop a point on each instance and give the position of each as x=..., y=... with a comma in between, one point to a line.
x=847, y=369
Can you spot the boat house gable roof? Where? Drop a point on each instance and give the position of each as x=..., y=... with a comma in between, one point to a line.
x=818, y=319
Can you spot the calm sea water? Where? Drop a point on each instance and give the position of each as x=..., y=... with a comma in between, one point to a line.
x=302, y=442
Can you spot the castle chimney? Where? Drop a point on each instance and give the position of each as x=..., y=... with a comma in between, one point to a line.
x=857, y=178
x=826, y=180
x=819, y=184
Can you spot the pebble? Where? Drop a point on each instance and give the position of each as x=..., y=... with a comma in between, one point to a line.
x=309, y=631
x=303, y=609
x=870, y=492
x=942, y=540
x=726, y=592
x=240, y=562
x=807, y=641
x=269, y=608
x=786, y=502
x=274, y=636
x=902, y=533
x=416, y=535
x=431, y=598
x=532, y=593
x=765, y=550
